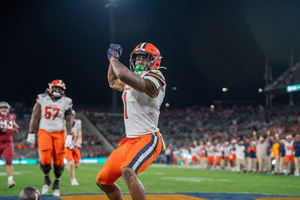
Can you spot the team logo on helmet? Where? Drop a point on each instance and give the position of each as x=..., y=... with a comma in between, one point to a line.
x=57, y=83
x=4, y=108
x=153, y=56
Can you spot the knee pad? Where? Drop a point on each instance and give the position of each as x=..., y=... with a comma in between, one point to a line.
x=45, y=168
x=58, y=170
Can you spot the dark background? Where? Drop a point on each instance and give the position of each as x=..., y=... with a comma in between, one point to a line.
x=206, y=45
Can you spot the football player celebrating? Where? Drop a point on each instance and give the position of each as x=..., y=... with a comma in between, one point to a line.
x=143, y=88
x=53, y=109
x=72, y=152
x=7, y=127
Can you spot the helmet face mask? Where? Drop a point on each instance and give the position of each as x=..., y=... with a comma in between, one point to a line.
x=4, y=108
x=152, y=54
x=53, y=88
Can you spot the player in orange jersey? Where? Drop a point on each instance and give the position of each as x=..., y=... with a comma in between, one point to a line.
x=53, y=109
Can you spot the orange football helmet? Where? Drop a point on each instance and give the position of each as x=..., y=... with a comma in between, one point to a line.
x=154, y=57
x=57, y=83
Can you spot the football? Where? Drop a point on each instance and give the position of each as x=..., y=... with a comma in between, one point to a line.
x=30, y=193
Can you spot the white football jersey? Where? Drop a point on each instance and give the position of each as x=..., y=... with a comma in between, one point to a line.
x=227, y=151
x=76, y=126
x=141, y=112
x=209, y=150
x=53, y=112
x=195, y=151
x=219, y=151
x=288, y=146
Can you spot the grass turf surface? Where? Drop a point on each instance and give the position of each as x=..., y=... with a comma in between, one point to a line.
x=157, y=179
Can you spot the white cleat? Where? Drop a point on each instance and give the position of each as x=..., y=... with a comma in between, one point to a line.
x=296, y=174
x=74, y=182
x=56, y=193
x=10, y=184
x=45, y=189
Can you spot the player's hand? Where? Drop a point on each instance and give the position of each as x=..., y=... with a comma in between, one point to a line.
x=254, y=133
x=15, y=130
x=68, y=141
x=277, y=136
x=117, y=48
x=30, y=138
x=4, y=130
x=78, y=146
x=268, y=132
x=71, y=147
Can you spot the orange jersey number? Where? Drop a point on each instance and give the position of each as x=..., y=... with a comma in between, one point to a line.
x=48, y=112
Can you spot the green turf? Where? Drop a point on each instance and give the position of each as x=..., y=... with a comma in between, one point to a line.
x=159, y=180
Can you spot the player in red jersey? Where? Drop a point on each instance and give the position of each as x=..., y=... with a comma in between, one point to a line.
x=7, y=127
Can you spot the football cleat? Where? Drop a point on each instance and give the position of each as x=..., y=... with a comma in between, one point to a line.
x=56, y=193
x=74, y=182
x=10, y=184
x=45, y=189
x=153, y=56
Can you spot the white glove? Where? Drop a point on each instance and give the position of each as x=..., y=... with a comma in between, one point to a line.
x=68, y=141
x=78, y=146
x=31, y=138
x=277, y=136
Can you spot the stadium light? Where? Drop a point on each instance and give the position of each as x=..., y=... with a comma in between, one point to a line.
x=167, y=104
x=212, y=106
x=174, y=88
x=224, y=89
x=260, y=90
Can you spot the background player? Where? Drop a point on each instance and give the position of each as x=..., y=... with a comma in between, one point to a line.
x=72, y=153
x=8, y=125
x=52, y=108
x=143, y=92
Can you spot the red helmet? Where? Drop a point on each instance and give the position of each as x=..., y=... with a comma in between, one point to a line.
x=154, y=57
x=57, y=83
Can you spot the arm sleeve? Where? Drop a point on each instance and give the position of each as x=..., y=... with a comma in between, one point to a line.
x=68, y=112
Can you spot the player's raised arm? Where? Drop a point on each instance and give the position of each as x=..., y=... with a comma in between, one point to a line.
x=134, y=80
x=114, y=82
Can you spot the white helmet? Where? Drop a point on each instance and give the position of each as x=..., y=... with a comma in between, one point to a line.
x=4, y=108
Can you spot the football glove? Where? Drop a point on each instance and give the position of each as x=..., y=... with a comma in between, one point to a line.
x=71, y=147
x=115, y=51
x=30, y=138
x=68, y=141
x=117, y=48
x=15, y=130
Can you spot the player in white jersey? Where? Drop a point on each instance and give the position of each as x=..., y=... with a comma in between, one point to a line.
x=210, y=155
x=218, y=155
x=143, y=88
x=72, y=153
x=53, y=109
x=175, y=156
x=184, y=153
x=227, y=155
x=289, y=149
x=195, y=149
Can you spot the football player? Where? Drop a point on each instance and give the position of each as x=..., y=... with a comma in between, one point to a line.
x=53, y=109
x=227, y=155
x=7, y=127
x=289, y=151
x=143, y=87
x=194, y=153
x=72, y=152
x=210, y=155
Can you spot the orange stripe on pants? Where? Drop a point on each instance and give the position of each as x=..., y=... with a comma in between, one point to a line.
x=52, y=146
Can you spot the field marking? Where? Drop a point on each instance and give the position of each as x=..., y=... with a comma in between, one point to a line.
x=156, y=173
x=128, y=197
x=15, y=173
x=193, y=179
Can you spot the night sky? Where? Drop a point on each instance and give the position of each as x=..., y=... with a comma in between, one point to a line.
x=206, y=45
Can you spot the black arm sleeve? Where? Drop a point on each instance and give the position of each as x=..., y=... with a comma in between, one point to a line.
x=68, y=112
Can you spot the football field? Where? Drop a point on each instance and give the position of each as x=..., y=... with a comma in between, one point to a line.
x=161, y=182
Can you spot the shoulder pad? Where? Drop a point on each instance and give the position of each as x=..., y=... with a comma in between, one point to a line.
x=11, y=116
x=158, y=75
